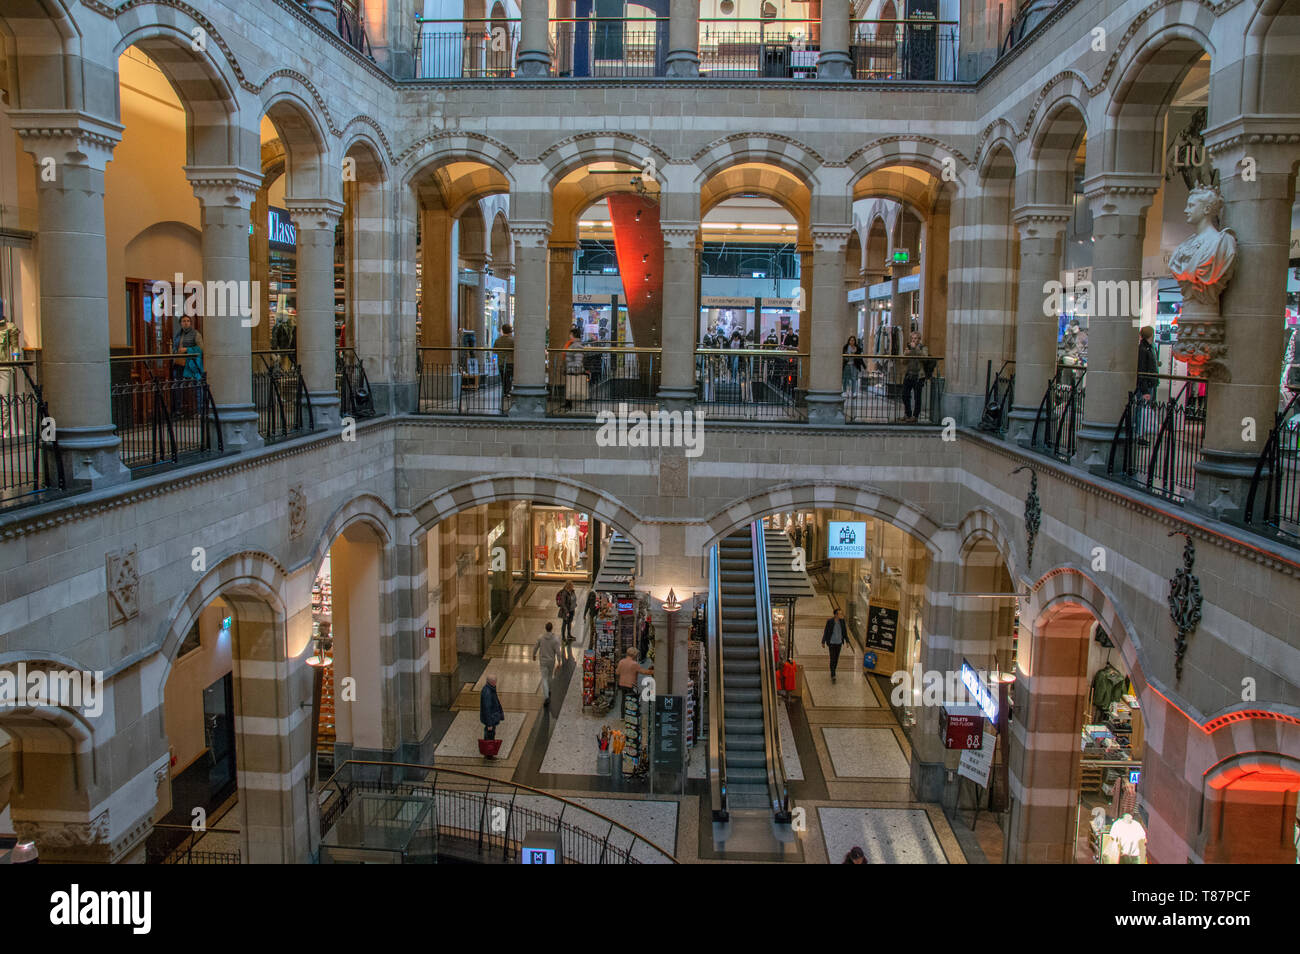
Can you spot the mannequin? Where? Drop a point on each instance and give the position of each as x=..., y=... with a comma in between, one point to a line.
x=571, y=544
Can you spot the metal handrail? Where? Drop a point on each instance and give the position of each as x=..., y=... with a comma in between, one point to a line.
x=1270, y=455
x=1047, y=408
x=717, y=720
x=515, y=786
x=777, y=786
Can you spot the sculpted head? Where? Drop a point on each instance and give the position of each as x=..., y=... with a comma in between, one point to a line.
x=1203, y=203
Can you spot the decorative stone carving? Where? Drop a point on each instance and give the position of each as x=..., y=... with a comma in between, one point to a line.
x=1033, y=514
x=123, y=571
x=297, y=512
x=1202, y=266
x=50, y=834
x=674, y=475
x=1184, y=602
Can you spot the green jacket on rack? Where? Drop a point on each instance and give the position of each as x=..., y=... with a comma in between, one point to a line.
x=1107, y=686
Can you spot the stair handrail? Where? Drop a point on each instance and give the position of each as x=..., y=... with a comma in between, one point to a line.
x=1164, y=450
x=717, y=724
x=777, y=786
x=1269, y=456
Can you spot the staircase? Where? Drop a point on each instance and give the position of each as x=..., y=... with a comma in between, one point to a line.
x=742, y=687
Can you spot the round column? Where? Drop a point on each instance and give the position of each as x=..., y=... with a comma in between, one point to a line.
x=534, y=57
x=71, y=151
x=834, y=61
x=315, y=221
x=828, y=327
x=225, y=198
x=683, y=38
x=1042, y=228
x=1119, y=204
x=531, y=266
x=561, y=298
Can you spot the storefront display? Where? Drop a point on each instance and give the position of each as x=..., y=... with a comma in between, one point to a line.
x=561, y=540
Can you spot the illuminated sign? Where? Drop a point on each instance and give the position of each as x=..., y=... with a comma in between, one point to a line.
x=280, y=230
x=979, y=692
x=901, y=256
x=1134, y=776
x=845, y=540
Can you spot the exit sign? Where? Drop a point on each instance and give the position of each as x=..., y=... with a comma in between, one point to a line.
x=900, y=256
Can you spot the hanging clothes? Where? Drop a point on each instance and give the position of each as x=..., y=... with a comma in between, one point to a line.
x=1107, y=687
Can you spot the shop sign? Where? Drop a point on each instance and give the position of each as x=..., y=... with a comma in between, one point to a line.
x=961, y=727
x=626, y=607
x=280, y=230
x=540, y=553
x=979, y=691
x=430, y=632
x=845, y=540
x=882, y=627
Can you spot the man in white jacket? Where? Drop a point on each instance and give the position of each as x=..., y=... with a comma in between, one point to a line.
x=547, y=652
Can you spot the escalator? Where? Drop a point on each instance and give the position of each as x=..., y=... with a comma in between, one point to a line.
x=745, y=770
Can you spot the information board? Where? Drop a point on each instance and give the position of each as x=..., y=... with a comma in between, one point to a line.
x=976, y=764
x=882, y=627
x=668, y=730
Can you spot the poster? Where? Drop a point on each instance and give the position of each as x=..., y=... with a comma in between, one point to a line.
x=882, y=627
x=976, y=764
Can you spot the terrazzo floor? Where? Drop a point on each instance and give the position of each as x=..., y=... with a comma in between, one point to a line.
x=865, y=753
x=850, y=689
x=885, y=835
x=461, y=739
x=516, y=671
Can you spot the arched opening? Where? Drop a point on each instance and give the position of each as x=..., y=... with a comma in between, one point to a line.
x=1249, y=811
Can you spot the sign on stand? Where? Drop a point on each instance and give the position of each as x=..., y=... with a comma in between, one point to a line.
x=977, y=764
x=669, y=739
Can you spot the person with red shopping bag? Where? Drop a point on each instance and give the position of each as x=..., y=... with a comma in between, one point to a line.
x=491, y=715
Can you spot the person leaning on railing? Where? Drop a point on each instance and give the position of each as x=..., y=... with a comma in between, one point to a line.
x=916, y=370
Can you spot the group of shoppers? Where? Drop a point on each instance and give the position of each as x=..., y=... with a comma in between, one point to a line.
x=917, y=366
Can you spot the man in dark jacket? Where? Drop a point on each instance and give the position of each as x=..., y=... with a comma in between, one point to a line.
x=489, y=708
x=1148, y=367
x=834, y=636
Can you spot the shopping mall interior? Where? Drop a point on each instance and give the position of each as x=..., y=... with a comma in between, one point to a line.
x=668, y=432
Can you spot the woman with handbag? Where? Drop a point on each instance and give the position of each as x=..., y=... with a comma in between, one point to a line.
x=187, y=346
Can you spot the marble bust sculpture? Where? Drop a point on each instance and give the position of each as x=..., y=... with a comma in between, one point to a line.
x=1203, y=265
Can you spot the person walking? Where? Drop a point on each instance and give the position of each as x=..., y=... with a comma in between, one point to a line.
x=627, y=671
x=547, y=653
x=915, y=373
x=490, y=712
x=852, y=367
x=1145, y=388
x=567, y=601
x=504, y=347
x=589, y=610
x=834, y=636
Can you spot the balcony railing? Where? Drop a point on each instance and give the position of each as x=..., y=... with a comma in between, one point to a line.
x=280, y=394
x=892, y=389
x=1273, y=504
x=1158, y=440
x=352, y=385
x=749, y=384
x=353, y=31
x=181, y=845
x=999, y=396
x=464, y=381
x=466, y=49
x=163, y=412
x=30, y=468
x=451, y=814
x=1056, y=425
x=729, y=47
x=582, y=382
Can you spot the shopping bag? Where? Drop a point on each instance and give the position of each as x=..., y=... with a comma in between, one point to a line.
x=489, y=747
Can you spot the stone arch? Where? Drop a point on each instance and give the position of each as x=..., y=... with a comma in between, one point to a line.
x=372, y=161
x=445, y=147
x=1071, y=584
x=43, y=730
x=1053, y=144
x=822, y=494
x=586, y=148
x=368, y=509
x=1268, y=67
x=308, y=171
x=897, y=184
x=490, y=488
x=773, y=183
x=202, y=82
x=982, y=523
x=783, y=152
x=502, y=248
x=918, y=151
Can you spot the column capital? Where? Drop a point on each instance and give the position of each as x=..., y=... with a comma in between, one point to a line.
x=561, y=249
x=1271, y=141
x=1120, y=193
x=830, y=238
x=67, y=136
x=531, y=234
x=680, y=235
x=224, y=186
x=314, y=213
x=1041, y=221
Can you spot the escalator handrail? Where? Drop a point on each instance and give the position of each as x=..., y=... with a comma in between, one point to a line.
x=717, y=725
x=777, y=787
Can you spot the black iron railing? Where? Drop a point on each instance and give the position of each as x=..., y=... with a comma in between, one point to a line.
x=352, y=385
x=352, y=30
x=750, y=384
x=582, y=382
x=892, y=389
x=1056, y=426
x=478, y=818
x=179, y=845
x=466, y=49
x=280, y=394
x=30, y=466
x=1273, y=503
x=1157, y=442
x=464, y=381
x=904, y=50
x=999, y=396
x=609, y=47
x=739, y=48
x=163, y=411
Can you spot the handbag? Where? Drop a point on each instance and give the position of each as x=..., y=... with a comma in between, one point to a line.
x=489, y=747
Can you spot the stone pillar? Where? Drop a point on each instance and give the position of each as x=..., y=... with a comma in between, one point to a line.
x=391, y=32
x=934, y=327
x=1118, y=202
x=531, y=240
x=225, y=197
x=561, y=300
x=834, y=62
x=506, y=272
x=828, y=327
x=534, y=44
x=315, y=220
x=1042, y=228
x=1259, y=212
x=680, y=315
x=437, y=281
x=476, y=320
x=71, y=151
x=683, y=38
